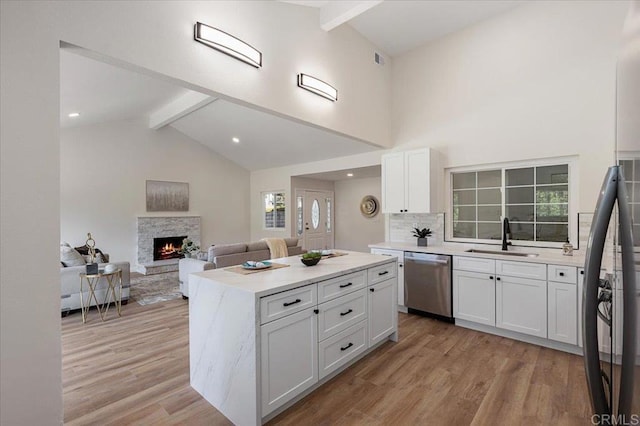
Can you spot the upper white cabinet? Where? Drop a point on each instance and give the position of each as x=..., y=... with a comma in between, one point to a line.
x=406, y=182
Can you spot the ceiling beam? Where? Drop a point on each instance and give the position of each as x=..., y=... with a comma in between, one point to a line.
x=178, y=108
x=336, y=13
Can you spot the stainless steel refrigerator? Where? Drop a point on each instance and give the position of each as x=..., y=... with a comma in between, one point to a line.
x=610, y=321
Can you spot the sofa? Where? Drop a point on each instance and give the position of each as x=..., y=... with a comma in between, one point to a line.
x=70, y=283
x=224, y=255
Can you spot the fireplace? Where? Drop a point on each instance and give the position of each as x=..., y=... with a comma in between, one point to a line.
x=167, y=247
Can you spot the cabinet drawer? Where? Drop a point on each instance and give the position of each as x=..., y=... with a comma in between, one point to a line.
x=386, y=252
x=535, y=271
x=474, y=264
x=341, y=313
x=342, y=348
x=282, y=304
x=382, y=272
x=562, y=274
x=336, y=287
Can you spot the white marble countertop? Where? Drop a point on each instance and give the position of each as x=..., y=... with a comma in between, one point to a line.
x=276, y=280
x=550, y=256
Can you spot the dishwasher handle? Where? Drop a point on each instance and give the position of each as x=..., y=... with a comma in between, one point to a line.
x=427, y=258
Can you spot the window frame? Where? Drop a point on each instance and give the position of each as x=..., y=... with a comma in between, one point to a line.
x=263, y=214
x=573, y=189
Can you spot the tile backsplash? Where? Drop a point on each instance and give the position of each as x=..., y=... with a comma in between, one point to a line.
x=401, y=226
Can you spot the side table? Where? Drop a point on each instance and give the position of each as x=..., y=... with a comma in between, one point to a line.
x=114, y=279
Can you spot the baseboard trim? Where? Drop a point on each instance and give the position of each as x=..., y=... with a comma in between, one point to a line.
x=559, y=346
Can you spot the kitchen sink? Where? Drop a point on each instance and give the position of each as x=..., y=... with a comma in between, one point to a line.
x=503, y=253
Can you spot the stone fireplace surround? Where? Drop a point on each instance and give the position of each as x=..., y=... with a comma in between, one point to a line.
x=150, y=227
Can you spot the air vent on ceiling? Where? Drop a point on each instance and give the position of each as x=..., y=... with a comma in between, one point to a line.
x=378, y=59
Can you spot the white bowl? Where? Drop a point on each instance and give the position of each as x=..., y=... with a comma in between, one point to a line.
x=109, y=267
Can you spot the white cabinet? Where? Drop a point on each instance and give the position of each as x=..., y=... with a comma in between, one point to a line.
x=399, y=254
x=580, y=295
x=521, y=305
x=406, y=182
x=474, y=297
x=289, y=358
x=383, y=314
x=393, y=183
x=562, y=303
x=562, y=312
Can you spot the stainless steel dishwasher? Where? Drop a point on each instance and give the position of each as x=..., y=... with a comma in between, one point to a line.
x=427, y=284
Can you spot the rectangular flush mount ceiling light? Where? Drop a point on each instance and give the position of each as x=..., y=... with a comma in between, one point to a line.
x=317, y=86
x=226, y=43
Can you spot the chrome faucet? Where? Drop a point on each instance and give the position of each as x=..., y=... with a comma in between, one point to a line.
x=506, y=230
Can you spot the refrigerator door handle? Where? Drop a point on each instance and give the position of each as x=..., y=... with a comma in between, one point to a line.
x=629, y=303
x=593, y=260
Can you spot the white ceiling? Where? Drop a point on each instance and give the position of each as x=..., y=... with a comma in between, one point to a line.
x=265, y=140
x=358, y=173
x=102, y=92
x=397, y=26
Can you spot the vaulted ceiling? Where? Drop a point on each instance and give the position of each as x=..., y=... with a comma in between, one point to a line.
x=254, y=139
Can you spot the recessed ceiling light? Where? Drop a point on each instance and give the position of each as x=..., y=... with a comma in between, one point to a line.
x=349, y=174
x=235, y=140
x=74, y=115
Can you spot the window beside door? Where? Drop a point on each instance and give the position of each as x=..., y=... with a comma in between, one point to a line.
x=274, y=210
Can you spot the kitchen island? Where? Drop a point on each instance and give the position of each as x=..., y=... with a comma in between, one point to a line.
x=260, y=342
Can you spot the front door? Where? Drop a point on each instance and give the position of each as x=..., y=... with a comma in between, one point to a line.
x=317, y=218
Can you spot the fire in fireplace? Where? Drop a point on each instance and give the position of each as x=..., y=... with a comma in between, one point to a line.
x=167, y=247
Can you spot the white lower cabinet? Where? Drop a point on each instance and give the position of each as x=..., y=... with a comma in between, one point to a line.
x=383, y=314
x=299, y=347
x=562, y=312
x=580, y=296
x=521, y=305
x=400, y=256
x=289, y=355
x=337, y=350
x=474, y=297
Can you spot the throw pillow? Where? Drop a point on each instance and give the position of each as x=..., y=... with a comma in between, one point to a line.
x=70, y=257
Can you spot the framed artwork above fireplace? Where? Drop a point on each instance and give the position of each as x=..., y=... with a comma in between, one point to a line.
x=167, y=196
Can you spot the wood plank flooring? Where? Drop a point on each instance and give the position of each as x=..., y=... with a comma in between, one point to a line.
x=135, y=370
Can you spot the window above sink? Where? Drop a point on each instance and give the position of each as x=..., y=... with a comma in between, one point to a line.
x=538, y=198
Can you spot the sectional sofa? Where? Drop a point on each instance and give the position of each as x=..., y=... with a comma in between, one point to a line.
x=224, y=255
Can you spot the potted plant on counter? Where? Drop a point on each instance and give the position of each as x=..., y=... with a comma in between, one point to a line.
x=422, y=235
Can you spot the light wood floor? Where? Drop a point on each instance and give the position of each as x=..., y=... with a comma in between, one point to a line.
x=134, y=370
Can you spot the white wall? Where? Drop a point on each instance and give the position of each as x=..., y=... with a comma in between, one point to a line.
x=103, y=169
x=353, y=231
x=280, y=179
x=154, y=37
x=535, y=82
